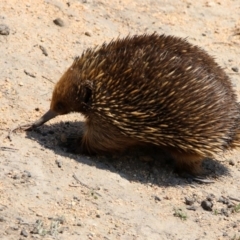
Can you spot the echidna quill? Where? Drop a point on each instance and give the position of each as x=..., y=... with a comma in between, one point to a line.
x=153, y=89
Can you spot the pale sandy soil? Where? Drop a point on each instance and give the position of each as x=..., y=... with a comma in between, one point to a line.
x=126, y=197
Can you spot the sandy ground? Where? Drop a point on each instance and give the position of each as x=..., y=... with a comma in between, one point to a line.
x=47, y=193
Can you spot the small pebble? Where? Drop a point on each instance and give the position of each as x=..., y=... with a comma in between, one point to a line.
x=98, y=216
x=34, y=230
x=58, y=22
x=189, y=201
x=26, y=174
x=29, y=74
x=230, y=204
x=16, y=177
x=15, y=228
x=234, y=225
x=59, y=163
x=207, y=205
x=4, y=29
x=193, y=208
x=225, y=212
x=61, y=230
x=44, y=51
x=61, y=220
x=231, y=162
x=24, y=233
x=210, y=197
x=76, y=198
x=157, y=199
x=88, y=34
x=225, y=234
x=223, y=200
x=235, y=69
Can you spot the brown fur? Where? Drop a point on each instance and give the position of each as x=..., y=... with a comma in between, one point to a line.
x=151, y=89
x=100, y=137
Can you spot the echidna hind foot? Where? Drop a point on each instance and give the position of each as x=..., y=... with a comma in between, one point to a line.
x=188, y=162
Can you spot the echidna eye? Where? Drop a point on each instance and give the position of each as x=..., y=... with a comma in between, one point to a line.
x=87, y=96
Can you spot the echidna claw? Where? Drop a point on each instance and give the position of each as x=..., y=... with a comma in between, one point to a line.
x=202, y=180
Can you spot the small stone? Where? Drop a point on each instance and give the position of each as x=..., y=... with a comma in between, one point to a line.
x=59, y=163
x=98, y=216
x=235, y=69
x=207, y=205
x=16, y=176
x=225, y=212
x=2, y=219
x=44, y=51
x=234, y=225
x=231, y=162
x=210, y=197
x=192, y=208
x=59, y=22
x=24, y=233
x=61, y=219
x=157, y=199
x=189, y=201
x=29, y=74
x=34, y=230
x=223, y=200
x=88, y=34
x=15, y=228
x=37, y=109
x=230, y=204
x=225, y=234
x=27, y=173
x=4, y=29
x=76, y=198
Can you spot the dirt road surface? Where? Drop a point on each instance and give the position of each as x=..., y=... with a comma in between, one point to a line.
x=47, y=193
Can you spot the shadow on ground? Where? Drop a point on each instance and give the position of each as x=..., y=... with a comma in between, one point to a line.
x=147, y=165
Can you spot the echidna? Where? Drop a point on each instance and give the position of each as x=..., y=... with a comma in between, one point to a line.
x=150, y=89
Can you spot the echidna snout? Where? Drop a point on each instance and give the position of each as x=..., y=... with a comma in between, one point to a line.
x=46, y=117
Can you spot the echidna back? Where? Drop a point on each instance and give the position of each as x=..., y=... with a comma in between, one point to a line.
x=163, y=90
